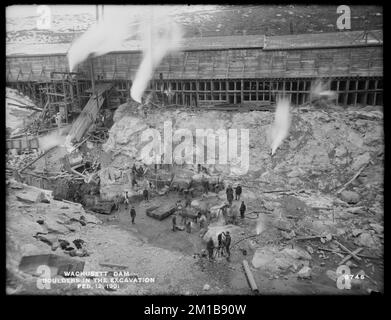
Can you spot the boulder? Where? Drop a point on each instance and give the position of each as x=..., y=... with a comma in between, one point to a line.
x=356, y=232
x=350, y=196
x=304, y=273
x=53, y=226
x=296, y=172
x=32, y=196
x=296, y=253
x=365, y=240
x=103, y=207
x=377, y=227
x=360, y=161
x=270, y=259
x=263, y=257
x=340, y=151
x=356, y=210
x=332, y=275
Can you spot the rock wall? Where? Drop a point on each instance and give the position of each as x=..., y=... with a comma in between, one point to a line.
x=323, y=150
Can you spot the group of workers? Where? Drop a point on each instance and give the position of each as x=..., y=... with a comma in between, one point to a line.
x=125, y=200
x=224, y=244
x=224, y=238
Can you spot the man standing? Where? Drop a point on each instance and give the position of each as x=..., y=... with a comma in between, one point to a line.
x=210, y=248
x=220, y=248
x=242, y=210
x=145, y=194
x=174, y=222
x=205, y=185
x=188, y=226
x=223, y=211
x=238, y=192
x=117, y=201
x=134, y=181
x=227, y=244
x=126, y=200
x=132, y=213
x=202, y=221
x=230, y=194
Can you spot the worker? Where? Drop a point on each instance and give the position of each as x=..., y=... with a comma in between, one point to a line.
x=145, y=194
x=223, y=211
x=242, y=210
x=77, y=197
x=202, y=221
x=206, y=186
x=187, y=202
x=134, y=181
x=227, y=243
x=238, y=192
x=126, y=200
x=188, y=226
x=230, y=194
x=180, y=211
x=233, y=214
x=220, y=248
x=117, y=200
x=132, y=213
x=174, y=222
x=210, y=248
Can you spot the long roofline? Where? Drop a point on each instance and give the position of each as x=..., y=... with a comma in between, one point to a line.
x=287, y=42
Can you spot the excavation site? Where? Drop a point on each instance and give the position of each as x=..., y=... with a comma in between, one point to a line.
x=194, y=150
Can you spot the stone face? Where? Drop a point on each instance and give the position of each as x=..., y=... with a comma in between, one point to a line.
x=350, y=196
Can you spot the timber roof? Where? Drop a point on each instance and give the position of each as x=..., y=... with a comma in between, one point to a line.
x=299, y=41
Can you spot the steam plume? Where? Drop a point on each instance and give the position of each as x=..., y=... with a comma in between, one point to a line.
x=320, y=90
x=51, y=140
x=281, y=125
x=160, y=36
x=107, y=35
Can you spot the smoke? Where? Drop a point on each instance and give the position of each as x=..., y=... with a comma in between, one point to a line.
x=108, y=35
x=51, y=140
x=157, y=33
x=281, y=125
x=320, y=90
x=160, y=36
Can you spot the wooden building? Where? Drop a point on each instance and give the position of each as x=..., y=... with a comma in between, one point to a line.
x=212, y=70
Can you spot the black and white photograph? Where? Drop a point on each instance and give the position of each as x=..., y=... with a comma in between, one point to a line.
x=194, y=150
